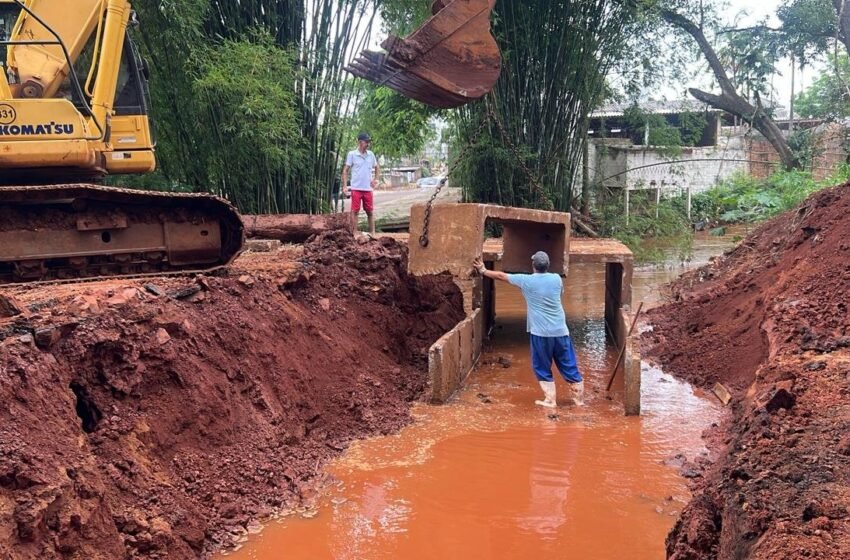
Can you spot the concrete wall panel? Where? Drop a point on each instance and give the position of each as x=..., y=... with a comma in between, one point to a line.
x=455, y=235
x=631, y=366
x=456, y=238
x=452, y=358
x=443, y=364
x=523, y=240
x=479, y=333
x=467, y=339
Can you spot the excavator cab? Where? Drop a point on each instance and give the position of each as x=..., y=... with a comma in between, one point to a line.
x=77, y=68
x=450, y=60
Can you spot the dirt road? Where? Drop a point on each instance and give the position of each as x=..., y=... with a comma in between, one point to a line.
x=396, y=203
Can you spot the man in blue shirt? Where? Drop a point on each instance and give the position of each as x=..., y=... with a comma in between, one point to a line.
x=547, y=326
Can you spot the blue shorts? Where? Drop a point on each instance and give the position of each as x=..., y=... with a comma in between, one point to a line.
x=546, y=349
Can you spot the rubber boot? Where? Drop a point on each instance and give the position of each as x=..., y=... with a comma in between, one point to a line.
x=549, y=394
x=578, y=393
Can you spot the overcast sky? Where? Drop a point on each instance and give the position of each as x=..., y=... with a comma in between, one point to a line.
x=755, y=12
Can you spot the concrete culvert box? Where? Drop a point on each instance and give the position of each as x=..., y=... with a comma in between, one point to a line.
x=456, y=237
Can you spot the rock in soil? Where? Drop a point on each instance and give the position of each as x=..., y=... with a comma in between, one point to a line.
x=152, y=427
x=769, y=320
x=9, y=307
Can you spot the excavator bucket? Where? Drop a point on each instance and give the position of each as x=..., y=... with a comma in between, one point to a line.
x=449, y=61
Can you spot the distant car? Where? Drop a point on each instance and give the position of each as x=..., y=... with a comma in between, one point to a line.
x=429, y=182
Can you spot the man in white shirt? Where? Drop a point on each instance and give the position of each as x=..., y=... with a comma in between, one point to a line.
x=364, y=169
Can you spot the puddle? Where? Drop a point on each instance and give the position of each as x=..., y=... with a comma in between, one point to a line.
x=492, y=476
x=649, y=279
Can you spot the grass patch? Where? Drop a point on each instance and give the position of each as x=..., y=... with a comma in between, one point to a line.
x=743, y=199
x=658, y=235
x=653, y=234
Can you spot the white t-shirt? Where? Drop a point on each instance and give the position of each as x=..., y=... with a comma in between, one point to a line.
x=361, y=169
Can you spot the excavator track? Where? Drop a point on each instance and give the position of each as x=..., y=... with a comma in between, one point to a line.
x=84, y=231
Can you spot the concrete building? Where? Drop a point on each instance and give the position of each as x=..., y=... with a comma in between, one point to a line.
x=621, y=158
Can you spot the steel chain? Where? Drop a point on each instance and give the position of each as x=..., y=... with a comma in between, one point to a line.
x=423, y=239
x=535, y=182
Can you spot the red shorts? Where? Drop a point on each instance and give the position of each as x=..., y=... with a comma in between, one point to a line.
x=362, y=196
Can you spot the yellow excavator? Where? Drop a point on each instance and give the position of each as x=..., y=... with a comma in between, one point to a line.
x=74, y=109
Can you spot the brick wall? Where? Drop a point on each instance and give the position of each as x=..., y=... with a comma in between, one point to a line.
x=829, y=146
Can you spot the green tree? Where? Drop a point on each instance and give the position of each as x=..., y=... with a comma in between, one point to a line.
x=827, y=97
x=523, y=144
x=167, y=36
x=399, y=126
x=273, y=146
x=692, y=127
x=751, y=69
x=245, y=90
x=808, y=28
x=652, y=130
x=402, y=17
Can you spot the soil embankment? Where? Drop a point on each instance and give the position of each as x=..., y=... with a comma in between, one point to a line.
x=770, y=320
x=157, y=418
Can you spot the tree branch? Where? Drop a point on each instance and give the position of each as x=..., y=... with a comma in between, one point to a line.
x=729, y=100
x=683, y=23
x=745, y=29
x=842, y=10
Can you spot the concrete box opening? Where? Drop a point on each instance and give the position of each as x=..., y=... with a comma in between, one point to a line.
x=456, y=235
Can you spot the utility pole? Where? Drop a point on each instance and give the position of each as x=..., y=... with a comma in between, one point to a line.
x=791, y=116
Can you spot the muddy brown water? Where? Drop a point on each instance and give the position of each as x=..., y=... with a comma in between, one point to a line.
x=492, y=476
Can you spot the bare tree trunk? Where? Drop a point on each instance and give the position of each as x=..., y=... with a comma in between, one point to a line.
x=296, y=228
x=842, y=11
x=729, y=100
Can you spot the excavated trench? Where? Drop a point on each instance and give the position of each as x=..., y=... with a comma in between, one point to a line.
x=492, y=476
x=770, y=321
x=157, y=418
x=164, y=420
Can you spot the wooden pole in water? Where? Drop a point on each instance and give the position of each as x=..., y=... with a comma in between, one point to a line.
x=657, y=201
x=623, y=349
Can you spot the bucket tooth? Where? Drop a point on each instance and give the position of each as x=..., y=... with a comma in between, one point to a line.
x=450, y=60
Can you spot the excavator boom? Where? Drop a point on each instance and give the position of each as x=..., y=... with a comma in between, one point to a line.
x=450, y=60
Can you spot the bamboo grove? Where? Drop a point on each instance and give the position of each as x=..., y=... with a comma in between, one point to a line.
x=251, y=101
x=556, y=54
x=249, y=96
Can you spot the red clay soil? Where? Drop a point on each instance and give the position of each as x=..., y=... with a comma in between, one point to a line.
x=156, y=419
x=770, y=321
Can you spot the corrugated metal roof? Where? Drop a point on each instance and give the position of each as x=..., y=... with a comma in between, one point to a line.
x=654, y=108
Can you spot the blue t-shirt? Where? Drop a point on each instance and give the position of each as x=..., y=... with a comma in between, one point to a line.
x=542, y=293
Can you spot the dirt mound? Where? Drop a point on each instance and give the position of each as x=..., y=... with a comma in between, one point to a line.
x=157, y=419
x=770, y=320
